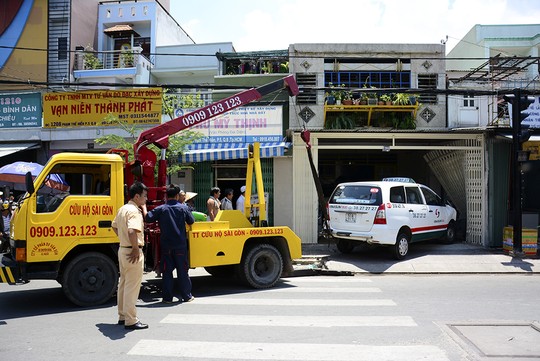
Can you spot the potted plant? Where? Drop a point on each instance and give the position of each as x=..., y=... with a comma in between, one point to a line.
x=126, y=59
x=347, y=97
x=372, y=98
x=386, y=99
x=413, y=98
x=335, y=95
x=401, y=99
x=91, y=61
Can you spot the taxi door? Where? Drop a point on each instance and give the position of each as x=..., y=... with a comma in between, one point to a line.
x=418, y=212
x=437, y=220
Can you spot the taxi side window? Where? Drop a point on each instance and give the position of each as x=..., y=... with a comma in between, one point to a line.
x=397, y=195
x=431, y=198
x=413, y=195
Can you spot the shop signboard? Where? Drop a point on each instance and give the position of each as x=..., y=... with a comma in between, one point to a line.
x=92, y=108
x=244, y=125
x=20, y=110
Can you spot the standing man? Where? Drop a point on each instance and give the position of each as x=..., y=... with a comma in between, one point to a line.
x=213, y=204
x=129, y=227
x=226, y=202
x=241, y=200
x=172, y=217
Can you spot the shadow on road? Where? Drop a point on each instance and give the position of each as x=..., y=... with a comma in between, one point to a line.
x=112, y=330
x=378, y=259
x=20, y=302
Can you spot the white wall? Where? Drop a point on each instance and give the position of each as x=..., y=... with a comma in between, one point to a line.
x=168, y=32
x=283, y=202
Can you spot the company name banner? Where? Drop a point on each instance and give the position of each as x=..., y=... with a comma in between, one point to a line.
x=20, y=110
x=89, y=108
x=244, y=125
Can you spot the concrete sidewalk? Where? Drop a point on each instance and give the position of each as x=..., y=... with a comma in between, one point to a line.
x=423, y=258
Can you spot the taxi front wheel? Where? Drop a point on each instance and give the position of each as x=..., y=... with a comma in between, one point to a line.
x=401, y=248
x=450, y=235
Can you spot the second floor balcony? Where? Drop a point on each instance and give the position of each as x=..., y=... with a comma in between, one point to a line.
x=113, y=66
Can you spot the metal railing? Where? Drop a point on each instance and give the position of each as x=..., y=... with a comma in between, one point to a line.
x=111, y=59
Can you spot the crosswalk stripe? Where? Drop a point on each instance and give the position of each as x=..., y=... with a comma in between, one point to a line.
x=322, y=279
x=321, y=290
x=292, y=302
x=285, y=351
x=291, y=321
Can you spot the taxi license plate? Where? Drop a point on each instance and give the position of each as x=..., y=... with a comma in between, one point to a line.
x=350, y=217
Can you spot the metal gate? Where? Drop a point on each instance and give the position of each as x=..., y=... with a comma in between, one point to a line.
x=459, y=170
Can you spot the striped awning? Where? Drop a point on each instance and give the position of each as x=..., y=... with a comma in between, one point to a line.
x=201, y=152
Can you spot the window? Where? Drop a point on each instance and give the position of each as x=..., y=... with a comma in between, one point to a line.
x=62, y=48
x=431, y=198
x=413, y=195
x=306, y=85
x=351, y=194
x=397, y=195
x=468, y=101
x=427, y=81
x=376, y=79
x=67, y=179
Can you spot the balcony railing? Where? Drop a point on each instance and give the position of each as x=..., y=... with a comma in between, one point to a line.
x=111, y=59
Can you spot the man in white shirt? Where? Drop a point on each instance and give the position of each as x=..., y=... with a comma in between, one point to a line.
x=241, y=200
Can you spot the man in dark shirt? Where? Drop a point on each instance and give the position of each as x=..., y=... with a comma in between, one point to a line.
x=172, y=218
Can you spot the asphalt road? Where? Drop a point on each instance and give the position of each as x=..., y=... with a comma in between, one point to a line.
x=361, y=317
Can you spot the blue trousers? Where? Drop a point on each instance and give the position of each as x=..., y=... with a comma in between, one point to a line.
x=172, y=259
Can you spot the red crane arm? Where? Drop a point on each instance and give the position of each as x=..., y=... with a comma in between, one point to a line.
x=159, y=135
x=145, y=159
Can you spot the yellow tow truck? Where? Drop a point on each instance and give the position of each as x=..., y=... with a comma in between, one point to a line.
x=63, y=231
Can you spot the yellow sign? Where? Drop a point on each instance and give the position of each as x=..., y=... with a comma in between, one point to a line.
x=89, y=108
x=534, y=148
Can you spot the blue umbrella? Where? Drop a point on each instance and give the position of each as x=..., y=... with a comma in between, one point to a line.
x=13, y=176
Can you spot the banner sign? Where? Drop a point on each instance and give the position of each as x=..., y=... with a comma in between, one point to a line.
x=20, y=110
x=244, y=125
x=89, y=108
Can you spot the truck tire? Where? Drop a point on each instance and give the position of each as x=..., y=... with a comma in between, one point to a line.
x=261, y=266
x=90, y=279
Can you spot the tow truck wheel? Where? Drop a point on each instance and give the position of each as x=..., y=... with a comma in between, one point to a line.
x=344, y=246
x=401, y=248
x=261, y=266
x=90, y=279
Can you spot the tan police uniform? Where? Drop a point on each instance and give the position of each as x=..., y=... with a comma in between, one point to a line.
x=129, y=286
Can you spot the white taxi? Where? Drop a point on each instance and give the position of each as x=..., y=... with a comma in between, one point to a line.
x=393, y=212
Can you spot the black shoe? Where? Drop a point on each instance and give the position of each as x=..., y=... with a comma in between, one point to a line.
x=121, y=322
x=136, y=326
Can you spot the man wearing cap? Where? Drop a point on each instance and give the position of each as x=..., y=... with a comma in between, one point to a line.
x=241, y=200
